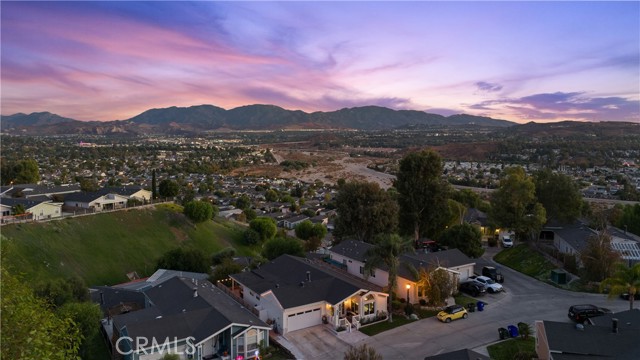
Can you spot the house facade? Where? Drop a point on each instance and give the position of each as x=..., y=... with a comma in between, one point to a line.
x=295, y=293
x=351, y=255
x=34, y=209
x=96, y=201
x=180, y=315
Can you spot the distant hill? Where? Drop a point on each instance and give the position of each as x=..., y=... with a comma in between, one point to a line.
x=177, y=120
x=565, y=129
x=33, y=119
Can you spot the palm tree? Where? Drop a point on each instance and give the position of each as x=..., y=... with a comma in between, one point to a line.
x=624, y=280
x=386, y=251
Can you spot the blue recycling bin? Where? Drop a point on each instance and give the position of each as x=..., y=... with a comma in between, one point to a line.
x=480, y=306
x=513, y=330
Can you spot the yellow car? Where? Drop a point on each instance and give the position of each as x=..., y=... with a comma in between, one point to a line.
x=452, y=312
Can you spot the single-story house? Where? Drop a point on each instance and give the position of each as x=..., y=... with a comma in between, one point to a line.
x=352, y=256
x=573, y=238
x=292, y=222
x=613, y=336
x=34, y=209
x=180, y=315
x=34, y=190
x=295, y=293
x=130, y=192
x=480, y=219
x=96, y=201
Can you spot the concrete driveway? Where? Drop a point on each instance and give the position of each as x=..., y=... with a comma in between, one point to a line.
x=525, y=300
x=318, y=342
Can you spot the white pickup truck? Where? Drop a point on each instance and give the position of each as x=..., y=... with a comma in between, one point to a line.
x=487, y=283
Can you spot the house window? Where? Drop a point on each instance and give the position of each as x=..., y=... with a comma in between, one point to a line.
x=240, y=346
x=361, y=270
x=420, y=290
x=252, y=341
x=369, y=308
x=344, y=261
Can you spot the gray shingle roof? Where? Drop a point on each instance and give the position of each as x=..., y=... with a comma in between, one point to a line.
x=575, y=234
x=286, y=278
x=357, y=250
x=464, y=354
x=174, y=311
x=594, y=341
x=27, y=203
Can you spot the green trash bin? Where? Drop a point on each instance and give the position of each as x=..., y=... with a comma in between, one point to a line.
x=504, y=333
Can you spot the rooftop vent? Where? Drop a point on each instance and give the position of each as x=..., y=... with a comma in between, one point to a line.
x=580, y=327
x=614, y=325
x=301, y=283
x=308, y=276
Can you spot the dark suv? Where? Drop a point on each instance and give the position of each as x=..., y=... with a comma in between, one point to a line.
x=580, y=313
x=472, y=289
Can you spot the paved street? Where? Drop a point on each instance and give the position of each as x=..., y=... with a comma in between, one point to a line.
x=525, y=300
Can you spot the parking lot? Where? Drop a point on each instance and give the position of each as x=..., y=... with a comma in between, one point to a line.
x=524, y=300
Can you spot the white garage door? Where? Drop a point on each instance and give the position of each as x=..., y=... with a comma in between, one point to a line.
x=304, y=319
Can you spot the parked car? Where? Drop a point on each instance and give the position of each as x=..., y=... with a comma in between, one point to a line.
x=490, y=285
x=493, y=273
x=472, y=289
x=625, y=296
x=452, y=312
x=507, y=242
x=580, y=313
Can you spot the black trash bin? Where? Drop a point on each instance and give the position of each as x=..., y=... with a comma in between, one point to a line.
x=504, y=333
x=471, y=307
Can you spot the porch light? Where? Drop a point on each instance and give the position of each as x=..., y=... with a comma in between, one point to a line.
x=408, y=287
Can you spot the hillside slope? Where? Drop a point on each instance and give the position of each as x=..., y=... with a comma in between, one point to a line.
x=102, y=248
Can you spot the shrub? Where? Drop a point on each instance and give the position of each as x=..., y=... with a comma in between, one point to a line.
x=493, y=242
x=423, y=302
x=408, y=309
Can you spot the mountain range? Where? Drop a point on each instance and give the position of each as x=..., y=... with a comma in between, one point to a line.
x=202, y=118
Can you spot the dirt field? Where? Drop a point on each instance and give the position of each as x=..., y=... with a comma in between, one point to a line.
x=326, y=166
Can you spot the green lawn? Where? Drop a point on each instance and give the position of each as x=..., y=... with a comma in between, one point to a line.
x=527, y=261
x=385, y=325
x=464, y=300
x=509, y=349
x=102, y=248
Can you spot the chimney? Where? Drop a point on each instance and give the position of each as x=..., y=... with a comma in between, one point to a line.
x=308, y=276
x=614, y=325
x=195, y=293
x=101, y=298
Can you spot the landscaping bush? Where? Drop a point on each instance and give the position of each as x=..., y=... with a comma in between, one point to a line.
x=396, y=305
x=408, y=309
x=423, y=302
x=493, y=242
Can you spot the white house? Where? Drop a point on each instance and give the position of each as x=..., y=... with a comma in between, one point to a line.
x=34, y=210
x=96, y=201
x=295, y=293
x=352, y=256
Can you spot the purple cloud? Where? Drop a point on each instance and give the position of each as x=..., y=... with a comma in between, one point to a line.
x=488, y=87
x=568, y=105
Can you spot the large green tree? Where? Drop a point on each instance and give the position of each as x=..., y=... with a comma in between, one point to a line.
x=282, y=245
x=86, y=316
x=629, y=219
x=24, y=171
x=168, y=188
x=30, y=328
x=423, y=194
x=386, y=252
x=307, y=230
x=184, y=260
x=464, y=237
x=364, y=210
x=198, y=211
x=514, y=205
x=624, y=280
x=265, y=227
x=559, y=195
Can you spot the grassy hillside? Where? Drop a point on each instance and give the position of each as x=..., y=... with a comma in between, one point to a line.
x=102, y=248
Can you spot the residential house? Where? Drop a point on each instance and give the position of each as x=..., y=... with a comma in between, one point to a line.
x=185, y=316
x=295, y=293
x=613, y=336
x=33, y=190
x=292, y=222
x=130, y=192
x=95, y=201
x=573, y=238
x=352, y=256
x=480, y=219
x=34, y=209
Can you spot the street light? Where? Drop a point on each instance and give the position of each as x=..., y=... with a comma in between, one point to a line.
x=408, y=287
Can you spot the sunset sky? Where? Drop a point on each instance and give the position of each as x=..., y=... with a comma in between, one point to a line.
x=519, y=61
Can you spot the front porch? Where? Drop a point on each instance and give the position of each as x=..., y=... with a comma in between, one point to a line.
x=357, y=310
